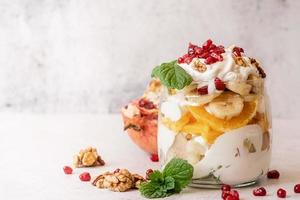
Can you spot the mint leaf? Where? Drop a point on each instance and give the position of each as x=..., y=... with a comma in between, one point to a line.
x=156, y=176
x=169, y=183
x=176, y=175
x=181, y=171
x=172, y=75
x=155, y=71
x=152, y=190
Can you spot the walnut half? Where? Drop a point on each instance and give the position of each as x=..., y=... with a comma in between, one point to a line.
x=119, y=181
x=88, y=158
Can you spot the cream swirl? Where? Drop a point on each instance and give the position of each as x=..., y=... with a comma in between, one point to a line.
x=226, y=70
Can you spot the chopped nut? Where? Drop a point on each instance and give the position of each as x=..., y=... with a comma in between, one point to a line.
x=119, y=181
x=171, y=91
x=154, y=85
x=88, y=158
x=138, y=180
x=200, y=67
x=188, y=136
x=260, y=70
x=240, y=61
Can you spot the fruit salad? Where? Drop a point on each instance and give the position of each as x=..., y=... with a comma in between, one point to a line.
x=214, y=113
x=140, y=118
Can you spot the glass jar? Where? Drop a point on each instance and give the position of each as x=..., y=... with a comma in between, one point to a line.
x=226, y=136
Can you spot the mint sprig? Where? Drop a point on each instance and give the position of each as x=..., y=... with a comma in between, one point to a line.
x=172, y=75
x=175, y=176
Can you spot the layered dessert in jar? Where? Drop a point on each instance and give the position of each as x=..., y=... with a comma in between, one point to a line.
x=214, y=113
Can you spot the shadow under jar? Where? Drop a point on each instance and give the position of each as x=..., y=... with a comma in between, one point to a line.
x=226, y=135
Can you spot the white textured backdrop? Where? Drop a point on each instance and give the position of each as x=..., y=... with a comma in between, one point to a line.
x=93, y=56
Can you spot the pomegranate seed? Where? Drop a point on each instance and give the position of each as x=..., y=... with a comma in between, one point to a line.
x=192, y=46
x=281, y=193
x=148, y=173
x=225, y=194
x=207, y=44
x=230, y=197
x=273, y=174
x=297, y=188
x=85, y=176
x=210, y=60
x=217, y=57
x=198, y=50
x=235, y=193
x=221, y=49
x=203, y=90
x=260, y=192
x=68, y=170
x=220, y=85
x=191, y=52
x=146, y=104
x=180, y=60
x=154, y=158
x=226, y=187
x=212, y=46
x=237, y=51
x=204, y=55
x=117, y=170
x=188, y=60
x=191, y=49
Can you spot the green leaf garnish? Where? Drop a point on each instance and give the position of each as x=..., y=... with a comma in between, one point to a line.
x=172, y=75
x=176, y=175
x=181, y=171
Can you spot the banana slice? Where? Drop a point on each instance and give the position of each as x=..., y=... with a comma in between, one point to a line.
x=199, y=100
x=240, y=88
x=226, y=106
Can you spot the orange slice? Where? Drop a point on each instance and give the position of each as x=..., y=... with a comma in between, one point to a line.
x=203, y=129
x=223, y=125
x=178, y=125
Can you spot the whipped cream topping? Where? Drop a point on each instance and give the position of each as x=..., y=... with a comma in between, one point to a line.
x=226, y=70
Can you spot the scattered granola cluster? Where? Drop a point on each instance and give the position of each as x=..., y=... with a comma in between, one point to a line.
x=88, y=158
x=120, y=180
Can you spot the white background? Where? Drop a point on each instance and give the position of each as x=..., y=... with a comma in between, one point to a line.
x=92, y=56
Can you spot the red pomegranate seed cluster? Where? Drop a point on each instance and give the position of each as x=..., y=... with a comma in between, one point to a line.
x=229, y=194
x=209, y=51
x=273, y=174
x=144, y=103
x=154, y=158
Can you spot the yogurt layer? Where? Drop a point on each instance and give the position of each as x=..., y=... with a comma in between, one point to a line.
x=235, y=157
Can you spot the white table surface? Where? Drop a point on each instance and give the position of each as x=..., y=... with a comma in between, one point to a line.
x=34, y=148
